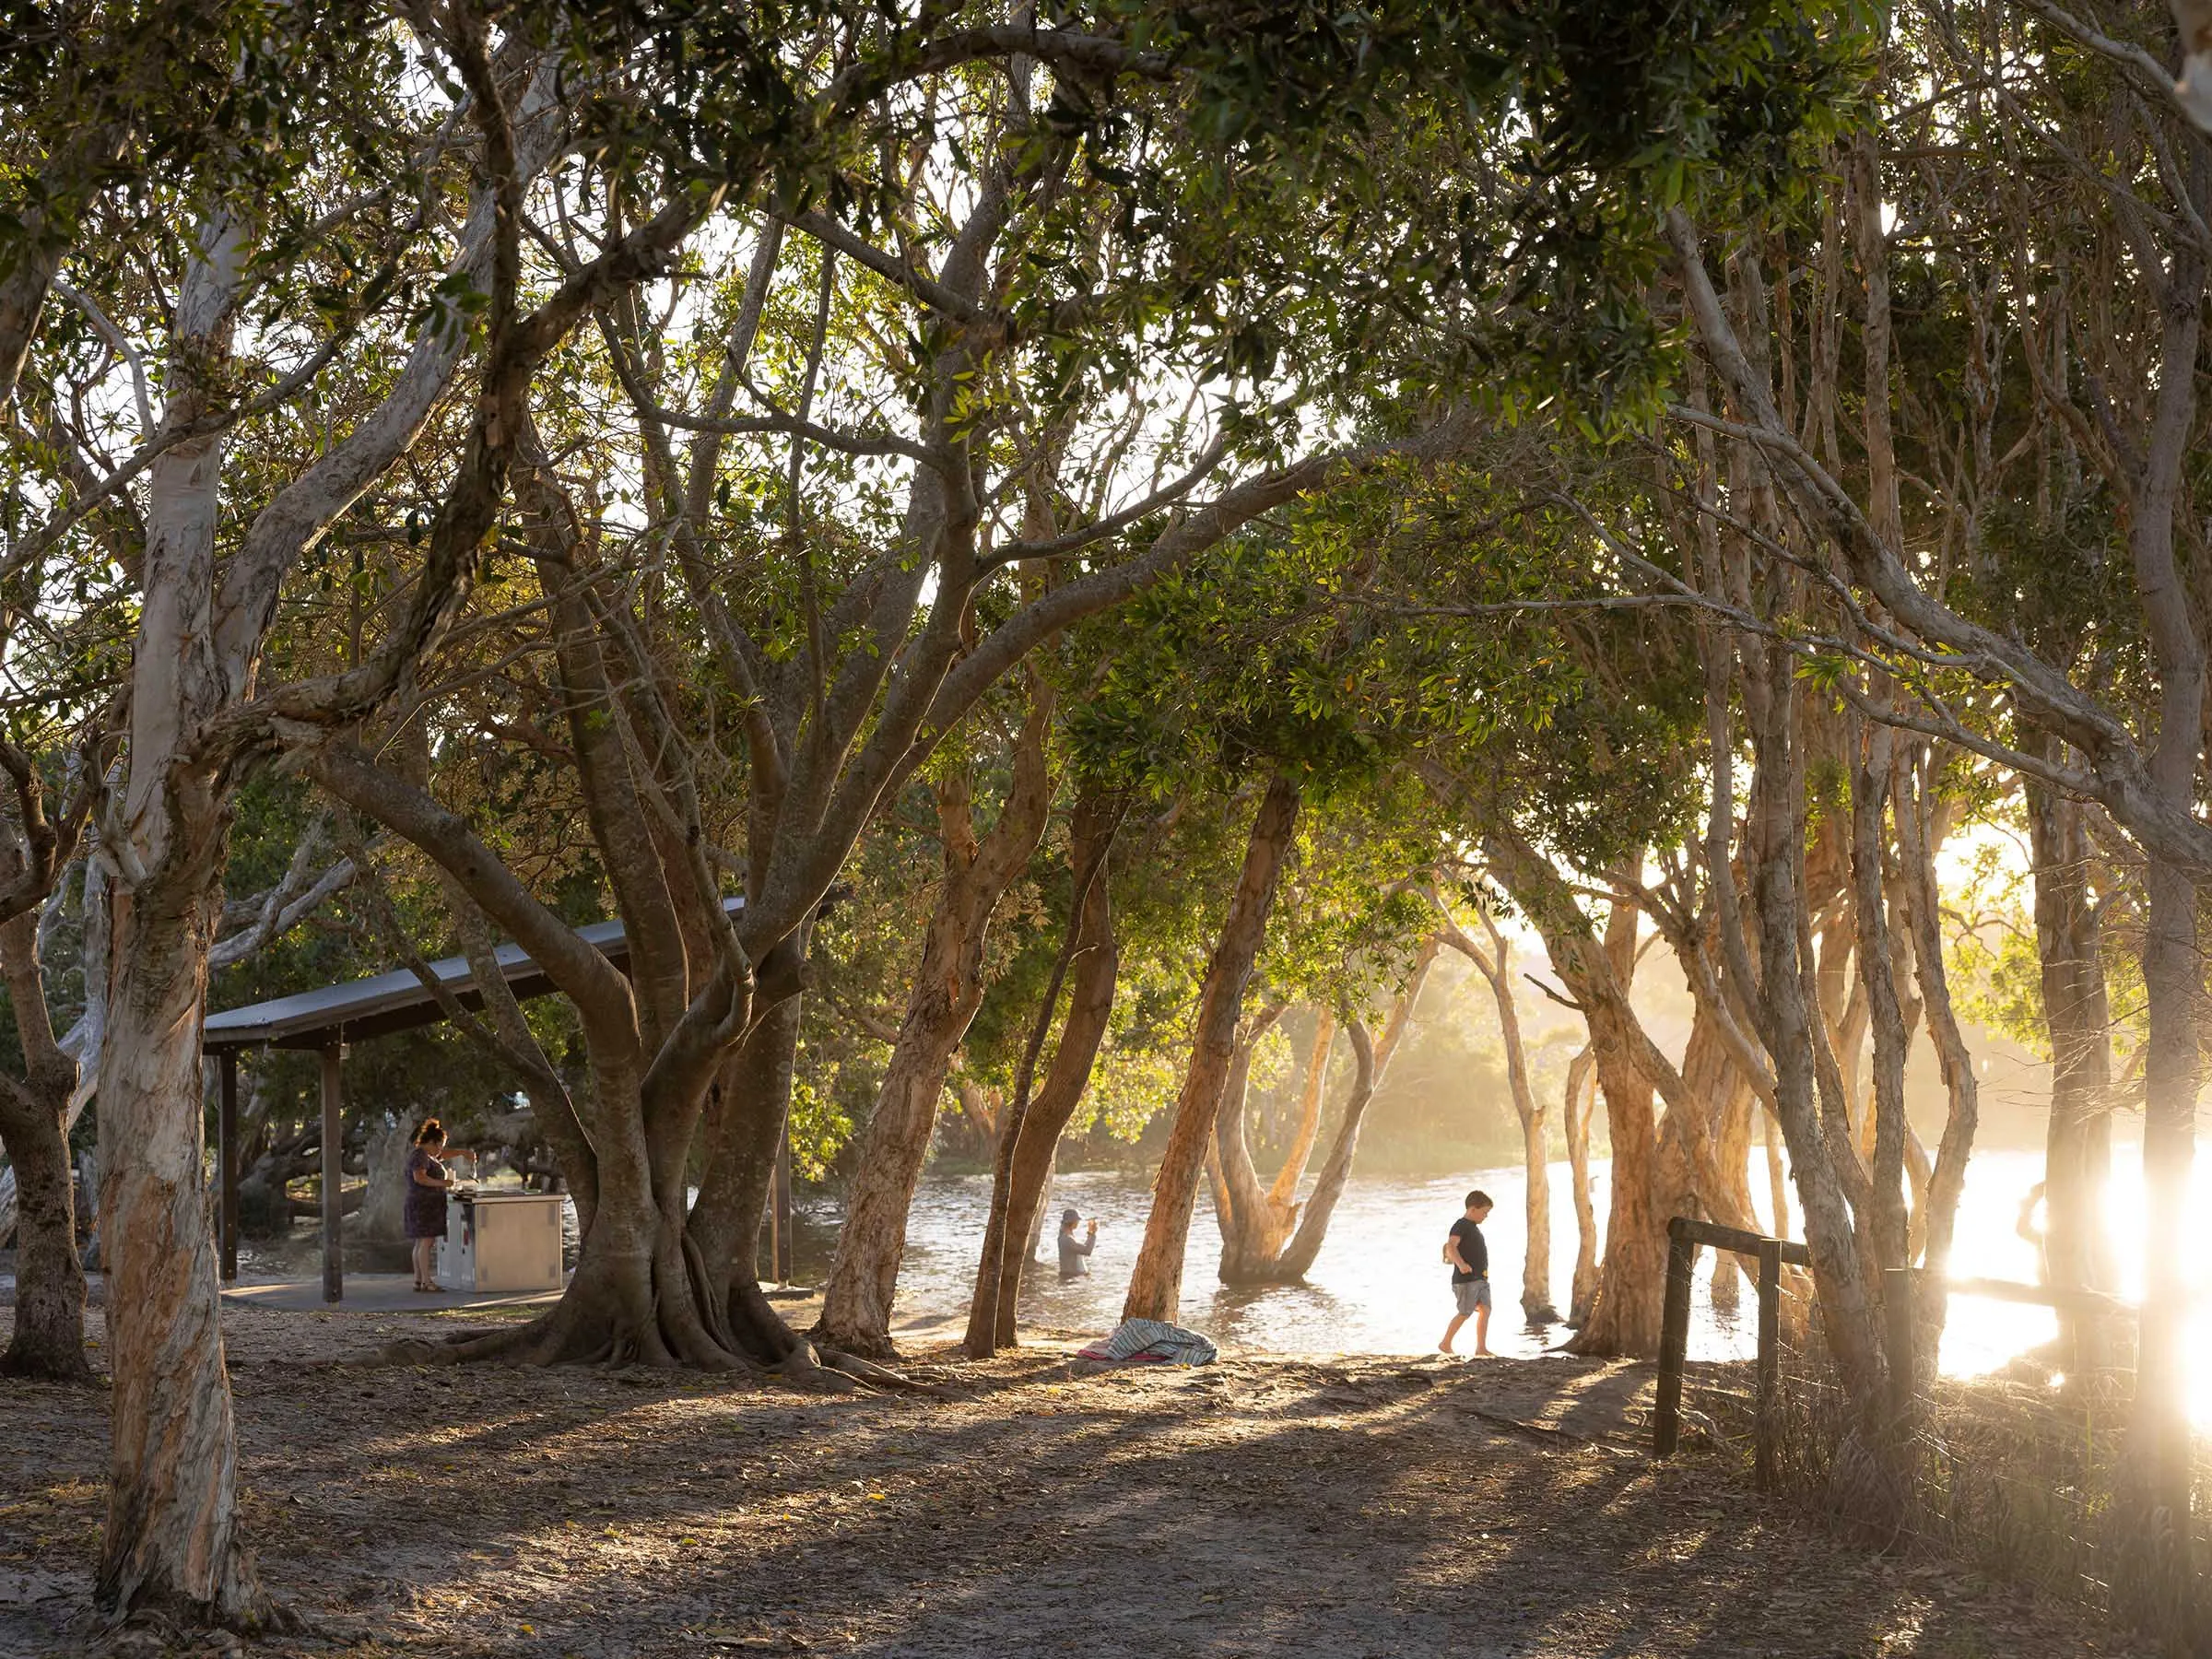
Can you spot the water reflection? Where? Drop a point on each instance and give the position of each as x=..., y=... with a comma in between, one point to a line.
x=1379, y=1286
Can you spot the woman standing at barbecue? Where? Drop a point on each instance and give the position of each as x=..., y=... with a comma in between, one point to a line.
x=427, y=1186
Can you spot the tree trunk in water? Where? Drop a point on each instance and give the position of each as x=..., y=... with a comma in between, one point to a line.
x=1372, y=1059
x=1156, y=1285
x=1095, y=971
x=1282, y=1191
x=2078, y=1015
x=1578, y=1101
x=1253, y=1231
x=1495, y=966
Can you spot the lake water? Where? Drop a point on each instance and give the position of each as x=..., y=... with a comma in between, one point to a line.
x=1378, y=1286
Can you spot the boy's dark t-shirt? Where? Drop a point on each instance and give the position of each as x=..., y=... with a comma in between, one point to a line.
x=1472, y=1251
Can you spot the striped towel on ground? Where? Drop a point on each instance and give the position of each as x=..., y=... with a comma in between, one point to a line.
x=1142, y=1341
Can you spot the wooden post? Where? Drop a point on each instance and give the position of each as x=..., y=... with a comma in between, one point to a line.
x=1674, y=1337
x=782, y=1248
x=334, y=1179
x=225, y=1160
x=1901, y=1319
x=1770, y=1363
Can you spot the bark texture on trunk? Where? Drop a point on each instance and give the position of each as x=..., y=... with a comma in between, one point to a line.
x=947, y=990
x=2077, y=1252
x=1095, y=970
x=35, y=1115
x=49, y=1339
x=1156, y=1283
x=1624, y=1314
x=1578, y=1100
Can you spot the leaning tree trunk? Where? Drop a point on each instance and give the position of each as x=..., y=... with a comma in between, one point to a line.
x=1282, y=1191
x=947, y=990
x=1250, y=1238
x=1372, y=1059
x=1095, y=962
x=1156, y=1283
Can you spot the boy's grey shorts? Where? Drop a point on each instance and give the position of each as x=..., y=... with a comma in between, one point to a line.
x=1473, y=1294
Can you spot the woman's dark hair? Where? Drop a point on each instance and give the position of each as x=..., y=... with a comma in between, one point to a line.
x=1478, y=1199
x=430, y=1130
x=1068, y=1218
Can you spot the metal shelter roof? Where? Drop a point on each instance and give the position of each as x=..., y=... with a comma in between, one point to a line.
x=396, y=1001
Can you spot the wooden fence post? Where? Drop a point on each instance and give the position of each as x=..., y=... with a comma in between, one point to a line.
x=334, y=1148
x=1673, y=1336
x=1770, y=1363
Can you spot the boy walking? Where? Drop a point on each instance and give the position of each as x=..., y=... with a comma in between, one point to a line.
x=1470, y=1259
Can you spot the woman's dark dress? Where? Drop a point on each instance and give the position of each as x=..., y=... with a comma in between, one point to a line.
x=426, y=1205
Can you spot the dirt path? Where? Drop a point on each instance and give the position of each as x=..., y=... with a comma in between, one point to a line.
x=1256, y=1508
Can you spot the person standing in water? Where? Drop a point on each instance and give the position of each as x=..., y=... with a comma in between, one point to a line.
x=1072, y=1265
x=427, y=1185
x=1470, y=1260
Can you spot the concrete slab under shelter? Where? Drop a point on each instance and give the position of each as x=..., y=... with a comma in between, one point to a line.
x=373, y=1293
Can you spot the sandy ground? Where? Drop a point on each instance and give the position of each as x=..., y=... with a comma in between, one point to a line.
x=1259, y=1507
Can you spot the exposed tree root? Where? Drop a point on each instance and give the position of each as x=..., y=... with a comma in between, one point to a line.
x=166, y=1625
x=867, y=1371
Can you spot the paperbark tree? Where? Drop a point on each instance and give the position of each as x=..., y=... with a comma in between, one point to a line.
x=1370, y=1057
x=1156, y=1282
x=1495, y=965
x=948, y=988
x=195, y=722
x=1029, y=1132
x=37, y=1110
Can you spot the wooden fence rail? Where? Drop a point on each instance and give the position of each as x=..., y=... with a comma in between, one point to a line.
x=1684, y=1239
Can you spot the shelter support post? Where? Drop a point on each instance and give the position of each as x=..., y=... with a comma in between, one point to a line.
x=334, y=1180
x=1674, y=1337
x=1770, y=1363
x=225, y=1159
x=780, y=1246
